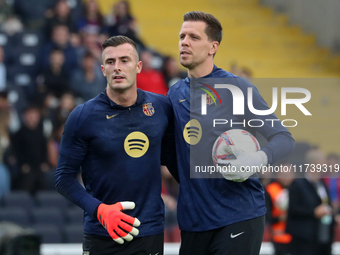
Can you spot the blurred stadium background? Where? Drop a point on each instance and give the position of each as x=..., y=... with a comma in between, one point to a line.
x=279, y=42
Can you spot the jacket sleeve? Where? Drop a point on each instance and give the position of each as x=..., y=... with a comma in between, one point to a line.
x=72, y=152
x=168, y=152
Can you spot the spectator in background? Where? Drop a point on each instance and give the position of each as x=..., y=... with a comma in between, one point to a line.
x=61, y=40
x=53, y=145
x=77, y=9
x=150, y=79
x=6, y=11
x=9, y=124
x=90, y=42
x=86, y=81
x=93, y=20
x=54, y=80
x=5, y=179
x=8, y=22
x=277, y=206
x=16, y=102
x=121, y=22
x=59, y=15
x=55, y=111
x=2, y=71
x=66, y=105
x=332, y=180
x=32, y=13
x=309, y=218
x=171, y=71
x=30, y=148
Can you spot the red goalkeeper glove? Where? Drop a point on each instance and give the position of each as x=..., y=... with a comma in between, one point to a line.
x=119, y=225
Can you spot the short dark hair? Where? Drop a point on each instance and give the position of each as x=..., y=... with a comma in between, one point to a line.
x=57, y=50
x=117, y=40
x=88, y=54
x=3, y=94
x=32, y=106
x=213, y=28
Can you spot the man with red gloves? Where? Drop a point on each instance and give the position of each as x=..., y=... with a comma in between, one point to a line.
x=115, y=140
x=116, y=221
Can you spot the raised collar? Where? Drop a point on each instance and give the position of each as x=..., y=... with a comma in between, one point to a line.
x=141, y=95
x=187, y=79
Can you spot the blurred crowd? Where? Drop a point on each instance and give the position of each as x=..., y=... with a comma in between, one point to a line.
x=303, y=205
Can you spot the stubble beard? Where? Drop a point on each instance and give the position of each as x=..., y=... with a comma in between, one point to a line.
x=189, y=65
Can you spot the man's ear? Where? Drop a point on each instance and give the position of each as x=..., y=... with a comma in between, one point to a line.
x=139, y=66
x=103, y=70
x=214, y=47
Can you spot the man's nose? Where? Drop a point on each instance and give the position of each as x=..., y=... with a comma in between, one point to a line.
x=117, y=67
x=185, y=41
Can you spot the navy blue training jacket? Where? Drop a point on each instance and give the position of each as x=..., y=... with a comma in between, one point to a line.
x=118, y=151
x=208, y=203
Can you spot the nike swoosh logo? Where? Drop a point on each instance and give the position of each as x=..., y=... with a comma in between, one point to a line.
x=180, y=101
x=233, y=236
x=109, y=117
